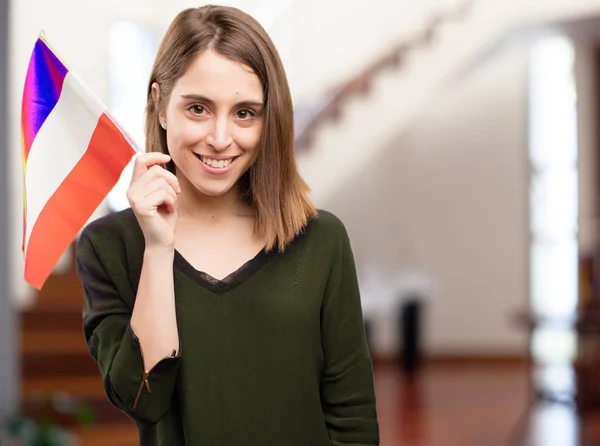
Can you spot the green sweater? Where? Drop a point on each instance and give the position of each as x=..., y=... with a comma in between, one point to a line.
x=273, y=355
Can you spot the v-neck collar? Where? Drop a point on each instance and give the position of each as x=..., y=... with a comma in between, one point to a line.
x=239, y=276
x=234, y=279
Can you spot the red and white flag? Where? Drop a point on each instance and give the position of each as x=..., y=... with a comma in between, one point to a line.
x=73, y=155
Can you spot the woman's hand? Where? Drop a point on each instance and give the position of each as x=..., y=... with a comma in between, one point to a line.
x=152, y=196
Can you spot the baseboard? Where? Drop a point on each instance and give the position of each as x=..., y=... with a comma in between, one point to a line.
x=479, y=359
x=474, y=359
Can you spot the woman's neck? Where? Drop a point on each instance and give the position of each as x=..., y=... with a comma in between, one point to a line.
x=196, y=206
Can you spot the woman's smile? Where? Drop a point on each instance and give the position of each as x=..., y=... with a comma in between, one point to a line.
x=216, y=165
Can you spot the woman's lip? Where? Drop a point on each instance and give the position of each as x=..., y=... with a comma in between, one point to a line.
x=216, y=170
x=217, y=158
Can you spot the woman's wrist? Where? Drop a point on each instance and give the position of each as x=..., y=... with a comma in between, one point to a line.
x=159, y=251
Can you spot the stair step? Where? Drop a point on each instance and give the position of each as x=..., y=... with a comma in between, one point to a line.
x=53, y=342
x=61, y=286
x=65, y=318
x=125, y=434
x=55, y=360
x=85, y=387
x=102, y=409
x=49, y=365
x=59, y=302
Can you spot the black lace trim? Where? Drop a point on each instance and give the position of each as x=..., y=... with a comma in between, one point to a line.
x=234, y=279
x=240, y=275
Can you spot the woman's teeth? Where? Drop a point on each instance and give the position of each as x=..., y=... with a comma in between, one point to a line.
x=217, y=164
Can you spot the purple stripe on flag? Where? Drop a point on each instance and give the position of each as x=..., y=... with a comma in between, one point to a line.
x=43, y=85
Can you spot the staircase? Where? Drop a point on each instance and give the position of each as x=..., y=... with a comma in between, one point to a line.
x=361, y=117
x=55, y=361
x=309, y=119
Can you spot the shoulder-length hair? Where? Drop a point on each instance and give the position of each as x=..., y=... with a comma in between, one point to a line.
x=273, y=185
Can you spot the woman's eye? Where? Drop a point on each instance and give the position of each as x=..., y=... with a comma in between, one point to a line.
x=196, y=109
x=245, y=114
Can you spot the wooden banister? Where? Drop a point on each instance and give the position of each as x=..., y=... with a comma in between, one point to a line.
x=360, y=84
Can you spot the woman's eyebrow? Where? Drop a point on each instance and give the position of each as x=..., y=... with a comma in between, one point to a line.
x=202, y=98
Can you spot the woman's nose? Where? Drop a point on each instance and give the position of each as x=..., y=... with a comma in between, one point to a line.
x=219, y=137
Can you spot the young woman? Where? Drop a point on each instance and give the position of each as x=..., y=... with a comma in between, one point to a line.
x=222, y=308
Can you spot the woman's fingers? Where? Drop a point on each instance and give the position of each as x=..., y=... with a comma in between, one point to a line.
x=152, y=196
x=158, y=184
x=154, y=173
x=153, y=180
x=144, y=205
x=148, y=166
x=145, y=161
x=162, y=198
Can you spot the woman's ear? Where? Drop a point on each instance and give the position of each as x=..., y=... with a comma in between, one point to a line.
x=156, y=100
x=155, y=93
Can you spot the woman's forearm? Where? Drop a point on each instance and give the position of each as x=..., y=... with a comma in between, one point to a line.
x=154, y=320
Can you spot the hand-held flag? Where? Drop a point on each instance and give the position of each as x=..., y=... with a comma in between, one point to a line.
x=73, y=155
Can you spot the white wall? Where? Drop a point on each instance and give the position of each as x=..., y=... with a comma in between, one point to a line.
x=449, y=197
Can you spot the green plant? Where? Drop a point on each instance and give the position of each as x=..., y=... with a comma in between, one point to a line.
x=43, y=419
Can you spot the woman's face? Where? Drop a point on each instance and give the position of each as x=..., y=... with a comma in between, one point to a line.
x=214, y=121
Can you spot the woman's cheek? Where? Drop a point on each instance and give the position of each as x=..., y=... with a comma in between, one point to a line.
x=249, y=140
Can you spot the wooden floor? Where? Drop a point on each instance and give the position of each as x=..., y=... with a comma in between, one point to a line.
x=474, y=405
x=450, y=405
x=446, y=405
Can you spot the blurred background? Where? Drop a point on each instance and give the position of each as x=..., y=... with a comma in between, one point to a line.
x=458, y=142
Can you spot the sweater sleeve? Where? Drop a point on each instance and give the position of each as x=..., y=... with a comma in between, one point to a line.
x=107, y=308
x=347, y=388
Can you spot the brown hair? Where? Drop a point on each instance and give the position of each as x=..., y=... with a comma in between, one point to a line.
x=272, y=186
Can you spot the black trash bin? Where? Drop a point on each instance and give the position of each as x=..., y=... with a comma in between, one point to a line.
x=409, y=331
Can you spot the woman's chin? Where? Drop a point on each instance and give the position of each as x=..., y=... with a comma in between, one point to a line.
x=213, y=190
